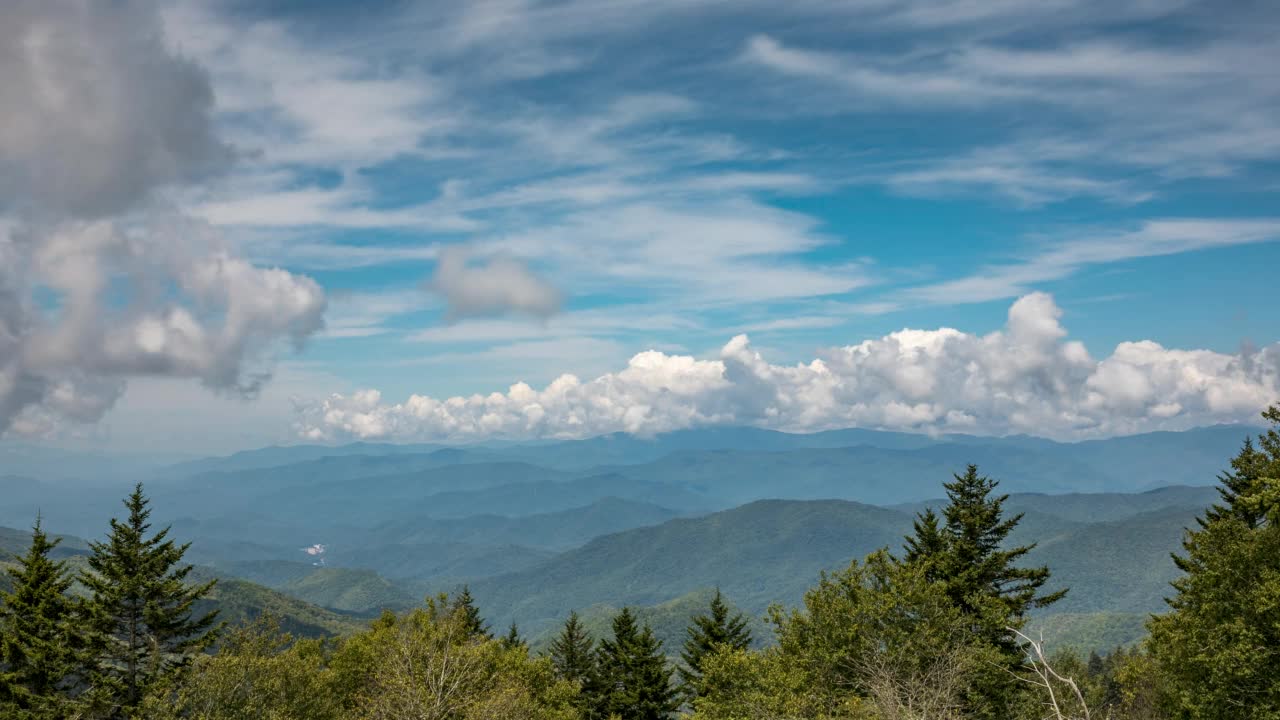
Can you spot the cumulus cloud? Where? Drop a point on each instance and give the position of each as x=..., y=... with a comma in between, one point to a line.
x=164, y=300
x=94, y=111
x=496, y=286
x=1025, y=378
x=96, y=114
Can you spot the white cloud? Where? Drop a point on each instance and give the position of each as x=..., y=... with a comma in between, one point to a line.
x=1028, y=174
x=1066, y=257
x=94, y=112
x=1025, y=378
x=718, y=251
x=298, y=103
x=610, y=320
x=96, y=287
x=189, y=310
x=495, y=286
x=1098, y=116
x=870, y=86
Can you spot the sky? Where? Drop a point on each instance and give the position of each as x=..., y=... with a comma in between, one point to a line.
x=231, y=224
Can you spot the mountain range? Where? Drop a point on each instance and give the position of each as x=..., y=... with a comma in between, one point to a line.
x=542, y=528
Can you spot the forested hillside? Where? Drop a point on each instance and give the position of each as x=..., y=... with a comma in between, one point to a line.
x=777, y=608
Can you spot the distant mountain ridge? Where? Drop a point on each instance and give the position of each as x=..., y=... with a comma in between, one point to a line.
x=539, y=528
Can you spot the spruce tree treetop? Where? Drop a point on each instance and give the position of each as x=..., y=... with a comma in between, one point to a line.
x=474, y=624
x=1249, y=469
x=973, y=560
x=719, y=628
x=965, y=552
x=571, y=652
x=40, y=642
x=927, y=540
x=1218, y=649
x=632, y=679
x=142, y=611
x=512, y=639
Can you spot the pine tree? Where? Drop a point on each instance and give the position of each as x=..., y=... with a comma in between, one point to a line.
x=708, y=633
x=474, y=624
x=571, y=652
x=632, y=679
x=1218, y=649
x=41, y=648
x=141, y=612
x=512, y=639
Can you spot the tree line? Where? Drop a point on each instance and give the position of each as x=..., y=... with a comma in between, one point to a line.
x=935, y=631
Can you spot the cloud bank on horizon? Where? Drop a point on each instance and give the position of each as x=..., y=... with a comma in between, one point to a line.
x=1026, y=378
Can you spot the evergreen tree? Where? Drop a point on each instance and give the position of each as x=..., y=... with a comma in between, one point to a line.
x=632, y=679
x=966, y=553
x=142, y=610
x=512, y=639
x=40, y=644
x=571, y=652
x=707, y=633
x=1218, y=649
x=927, y=542
x=967, y=556
x=474, y=624
x=1249, y=470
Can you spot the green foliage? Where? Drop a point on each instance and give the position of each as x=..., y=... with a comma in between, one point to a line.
x=257, y=673
x=887, y=632
x=706, y=634
x=669, y=620
x=512, y=639
x=431, y=665
x=41, y=645
x=572, y=654
x=465, y=606
x=1244, y=488
x=1219, y=647
x=632, y=680
x=141, y=613
x=969, y=556
x=766, y=685
x=424, y=665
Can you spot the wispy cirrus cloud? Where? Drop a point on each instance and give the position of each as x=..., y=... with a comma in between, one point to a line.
x=1059, y=259
x=1113, y=118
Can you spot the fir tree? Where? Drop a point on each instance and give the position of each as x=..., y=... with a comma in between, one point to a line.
x=571, y=652
x=141, y=613
x=40, y=644
x=632, y=679
x=512, y=639
x=472, y=621
x=708, y=633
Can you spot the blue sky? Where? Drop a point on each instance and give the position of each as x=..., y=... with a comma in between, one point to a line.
x=615, y=177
